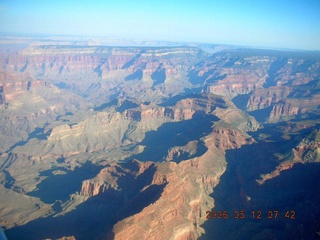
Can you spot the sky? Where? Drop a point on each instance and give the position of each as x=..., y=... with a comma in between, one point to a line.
x=291, y=24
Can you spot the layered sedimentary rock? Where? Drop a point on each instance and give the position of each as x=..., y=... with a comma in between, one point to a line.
x=238, y=81
x=263, y=98
x=15, y=84
x=79, y=68
x=284, y=103
x=109, y=178
x=282, y=109
x=183, y=110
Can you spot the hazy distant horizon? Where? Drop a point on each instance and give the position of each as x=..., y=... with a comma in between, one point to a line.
x=268, y=24
x=122, y=42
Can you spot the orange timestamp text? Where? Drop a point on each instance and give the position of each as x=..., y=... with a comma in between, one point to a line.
x=256, y=214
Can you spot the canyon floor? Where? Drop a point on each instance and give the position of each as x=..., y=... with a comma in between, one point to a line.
x=160, y=141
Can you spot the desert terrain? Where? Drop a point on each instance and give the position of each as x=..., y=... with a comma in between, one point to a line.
x=158, y=141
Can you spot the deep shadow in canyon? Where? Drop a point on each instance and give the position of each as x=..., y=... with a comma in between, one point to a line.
x=295, y=190
x=59, y=187
x=94, y=218
x=88, y=221
x=172, y=134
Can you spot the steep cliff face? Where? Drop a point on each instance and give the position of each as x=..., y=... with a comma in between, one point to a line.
x=146, y=112
x=110, y=179
x=225, y=138
x=283, y=103
x=263, y=98
x=283, y=111
x=287, y=108
x=238, y=81
x=16, y=84
x=66, y=60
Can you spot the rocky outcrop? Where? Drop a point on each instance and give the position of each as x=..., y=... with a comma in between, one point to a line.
x=238, y=81
x=226, y=138
x=13, y=85
x=148, y=112
x=263, y=98
x=294, y=108
x=183, y=152
x=110, y=178
x=283, y=103
x=284, y=110
x=184, y=109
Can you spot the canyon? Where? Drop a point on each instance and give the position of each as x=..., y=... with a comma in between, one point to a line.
x=140, y=142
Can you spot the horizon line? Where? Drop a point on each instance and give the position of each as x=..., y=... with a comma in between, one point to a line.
x=171, y=42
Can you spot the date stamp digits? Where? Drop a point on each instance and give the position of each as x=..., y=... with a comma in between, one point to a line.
x=241, y=214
